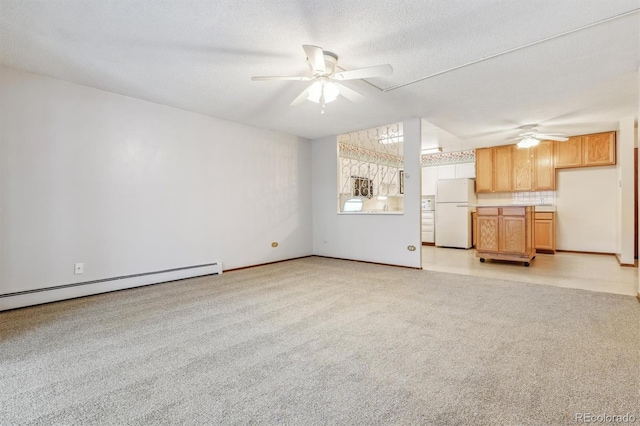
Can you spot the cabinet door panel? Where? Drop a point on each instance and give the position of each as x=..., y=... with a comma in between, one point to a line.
x=544, y=173
x=544, y=235
x=599, y=149
x=474, y=229
x=513, y=234
x=503, y=168
x=569, y=153
x=429, y=178
x=484, y=170
x=447, y=172
x=522, y=165
x=487, y=233
x=466, y=170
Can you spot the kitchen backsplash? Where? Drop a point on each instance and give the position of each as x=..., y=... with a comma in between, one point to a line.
x=533, y=197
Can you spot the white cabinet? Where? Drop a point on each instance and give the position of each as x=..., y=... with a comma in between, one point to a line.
x=430, y=175
x=429, y=178
x=466, y=170
x=446, y=172
x=428, y=226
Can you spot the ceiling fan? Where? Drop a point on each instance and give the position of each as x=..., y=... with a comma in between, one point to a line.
x=325, y=87
x=531, y=137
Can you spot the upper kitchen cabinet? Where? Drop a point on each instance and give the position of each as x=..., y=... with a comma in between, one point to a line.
x=466, y=170
x=484, y=170
x=429, y=179
x=447, y=172
x=544, y=173
x=585, y=151
x=522, y=169
x=508, y=168
x=432, y=174
x=599, y=149
x=533, y=168
x=569, y=153
x=502, y=168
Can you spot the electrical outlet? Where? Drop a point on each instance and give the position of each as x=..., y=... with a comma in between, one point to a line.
x=78, y=268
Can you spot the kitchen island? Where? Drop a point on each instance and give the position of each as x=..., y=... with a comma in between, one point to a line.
x=505, y=232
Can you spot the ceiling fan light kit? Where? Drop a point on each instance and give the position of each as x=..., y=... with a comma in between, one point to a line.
x=528, y=142
x=530, y=137
x=323, y=91
x=324, y=88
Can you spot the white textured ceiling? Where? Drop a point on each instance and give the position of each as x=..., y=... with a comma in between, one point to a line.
x=200, y=56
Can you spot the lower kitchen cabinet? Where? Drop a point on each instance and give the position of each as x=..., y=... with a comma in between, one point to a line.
x=428, y=226
x=474, y=229
x=505, y=233
x=545, y=232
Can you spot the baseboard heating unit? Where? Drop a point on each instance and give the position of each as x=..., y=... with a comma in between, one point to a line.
x=20, y=299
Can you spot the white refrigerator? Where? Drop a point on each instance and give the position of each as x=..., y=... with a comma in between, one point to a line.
x=453, y=223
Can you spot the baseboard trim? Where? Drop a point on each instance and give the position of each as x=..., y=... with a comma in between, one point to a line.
x=39, y=296
x=631, y=265
x=264, y=264
x=369, y=262
x=586, y=252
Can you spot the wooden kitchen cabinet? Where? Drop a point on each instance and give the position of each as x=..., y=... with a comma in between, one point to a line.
x=599, y=149
x=508, y=168
x=505, y=233
x=545, y=232
x=522, y=169
x=502, y=168
x=569, y=153
x=474, y=229
x=487, y=232
x=484, y=170
x=512, y=233
x=544, y=172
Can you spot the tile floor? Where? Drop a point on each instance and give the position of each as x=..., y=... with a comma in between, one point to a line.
x=593, y=272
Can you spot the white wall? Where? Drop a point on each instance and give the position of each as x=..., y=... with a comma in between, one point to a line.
x=586, y=202
x=127, y=186
x=375, y=238
x=625, y=145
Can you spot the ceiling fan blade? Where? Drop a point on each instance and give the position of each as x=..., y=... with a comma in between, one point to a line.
x=377, y=71
x=279, y=77
x=350, y=94
x=301, y=97
x=315, y=56
x=551, y=137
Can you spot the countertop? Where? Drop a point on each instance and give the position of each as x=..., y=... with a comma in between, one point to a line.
x=539, y=207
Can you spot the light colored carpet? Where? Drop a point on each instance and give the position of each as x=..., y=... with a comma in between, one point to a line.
x=323, y=341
